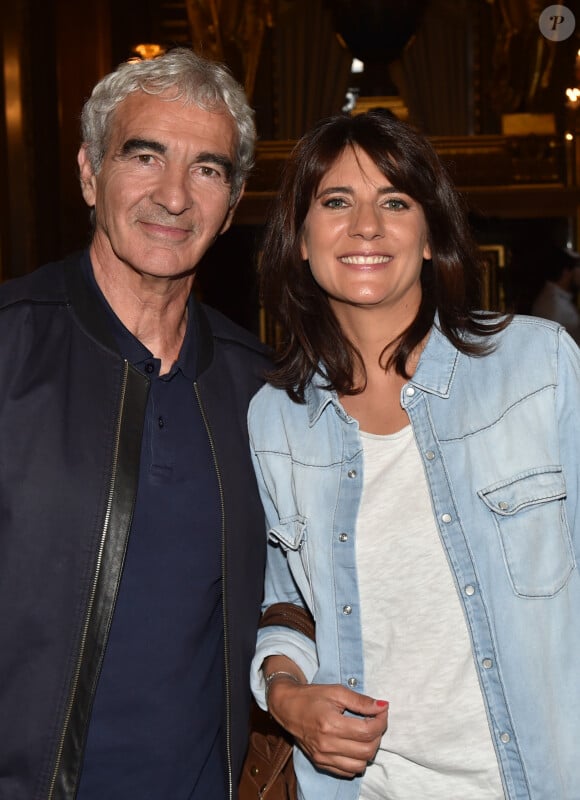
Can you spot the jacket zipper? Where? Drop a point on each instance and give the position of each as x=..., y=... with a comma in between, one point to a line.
x=227, y=678
x=94, y=584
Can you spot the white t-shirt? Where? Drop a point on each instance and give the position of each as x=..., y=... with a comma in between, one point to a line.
x=417, y=653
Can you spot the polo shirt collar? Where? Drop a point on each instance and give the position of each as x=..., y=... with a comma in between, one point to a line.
x=129, y=345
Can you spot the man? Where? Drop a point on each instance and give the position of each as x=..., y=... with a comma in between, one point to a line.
x=556, y=299
x=131, y=552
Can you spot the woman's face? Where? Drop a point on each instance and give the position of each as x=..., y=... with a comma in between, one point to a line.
x=365, y=240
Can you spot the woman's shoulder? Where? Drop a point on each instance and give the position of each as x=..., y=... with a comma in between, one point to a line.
x=527, y=348
x=512, y=330
x=274, y=420
x=528, y=333
x=523, y=324
x=271, y=402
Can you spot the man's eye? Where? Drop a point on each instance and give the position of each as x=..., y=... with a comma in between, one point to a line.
x=145, y=158
x=209, y=172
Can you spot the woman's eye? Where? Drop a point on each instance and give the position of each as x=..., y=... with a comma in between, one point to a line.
x=334, y=202
x=396, y=204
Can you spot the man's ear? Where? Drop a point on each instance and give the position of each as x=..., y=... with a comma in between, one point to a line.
x=231, y=212
x=87, y=176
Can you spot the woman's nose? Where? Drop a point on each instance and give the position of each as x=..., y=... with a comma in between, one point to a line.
x=366, y=222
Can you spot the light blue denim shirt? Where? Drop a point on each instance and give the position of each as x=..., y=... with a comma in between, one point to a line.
x=500, y=442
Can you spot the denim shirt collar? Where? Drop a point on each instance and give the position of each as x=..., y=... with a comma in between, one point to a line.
x=437, y=364
x=434, y=374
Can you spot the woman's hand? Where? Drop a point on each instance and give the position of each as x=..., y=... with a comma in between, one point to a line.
x=315, y=715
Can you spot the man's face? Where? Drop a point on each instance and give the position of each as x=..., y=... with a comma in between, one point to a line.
x=162, y=194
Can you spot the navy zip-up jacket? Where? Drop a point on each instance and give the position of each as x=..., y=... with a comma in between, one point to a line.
x=71, y=420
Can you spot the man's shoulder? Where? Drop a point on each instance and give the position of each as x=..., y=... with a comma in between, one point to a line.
x=46, y=284
x=225, y=331
x=545, y=297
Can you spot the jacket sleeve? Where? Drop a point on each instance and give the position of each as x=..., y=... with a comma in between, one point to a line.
x=279, y=582
x=568, y=418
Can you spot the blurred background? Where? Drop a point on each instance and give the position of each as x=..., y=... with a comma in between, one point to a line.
x=497, y=97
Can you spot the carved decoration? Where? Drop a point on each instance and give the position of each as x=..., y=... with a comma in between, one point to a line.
x=231, y=31
x=523, y=59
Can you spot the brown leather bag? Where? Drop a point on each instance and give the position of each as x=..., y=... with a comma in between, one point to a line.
x=268, y=772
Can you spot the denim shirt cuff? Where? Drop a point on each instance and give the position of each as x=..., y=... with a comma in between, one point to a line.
x=279, y=641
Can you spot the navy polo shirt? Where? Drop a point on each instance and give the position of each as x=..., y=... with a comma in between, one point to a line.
x=156, y=726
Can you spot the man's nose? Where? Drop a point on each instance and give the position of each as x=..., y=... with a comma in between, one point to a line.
x=173, y=190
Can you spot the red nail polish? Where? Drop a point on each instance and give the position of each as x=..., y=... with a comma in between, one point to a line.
x=382, y=703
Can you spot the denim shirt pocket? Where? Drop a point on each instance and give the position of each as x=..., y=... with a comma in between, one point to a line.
x=291, y=536
x=530, y=517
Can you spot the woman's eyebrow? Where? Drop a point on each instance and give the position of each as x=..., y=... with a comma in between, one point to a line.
x=333, y=189
x=349, y=190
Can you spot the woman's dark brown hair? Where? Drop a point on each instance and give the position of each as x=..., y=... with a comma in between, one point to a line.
x=311, y=338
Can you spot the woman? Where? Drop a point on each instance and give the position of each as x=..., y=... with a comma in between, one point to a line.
x=418, y=465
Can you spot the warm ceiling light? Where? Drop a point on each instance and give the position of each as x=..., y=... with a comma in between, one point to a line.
x=148, y=51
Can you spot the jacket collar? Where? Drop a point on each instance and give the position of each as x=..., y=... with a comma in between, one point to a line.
x=434, y=374
x=90, y=313
x=437, y=364
x=96, y=321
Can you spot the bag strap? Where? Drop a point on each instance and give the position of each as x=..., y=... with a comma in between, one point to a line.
x=290, y=616
x=279, y=759
x=299, y=619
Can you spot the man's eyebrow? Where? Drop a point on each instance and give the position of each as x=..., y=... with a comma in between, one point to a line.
x=216, y=158
x=137, y=145
x=134, y=145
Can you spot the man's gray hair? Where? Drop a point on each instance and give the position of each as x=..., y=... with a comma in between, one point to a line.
x=195, y=80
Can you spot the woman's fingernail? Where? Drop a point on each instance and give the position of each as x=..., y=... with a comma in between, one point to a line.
x=382, y=703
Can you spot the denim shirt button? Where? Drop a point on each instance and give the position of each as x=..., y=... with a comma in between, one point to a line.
x=503, y=505
x=343, y=537
x=429, y=455
x=446, y=517
x=352, y=682
x=469, y=590
x=409, y=391
x=505, y=737
x=351, y=473
x=347, y=610
x=487, y=663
